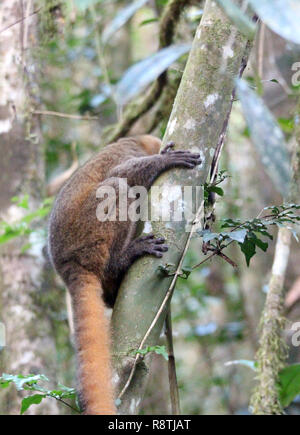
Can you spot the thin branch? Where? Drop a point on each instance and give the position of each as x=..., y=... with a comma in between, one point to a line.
x=260, y=54
x=26, y=26
x=174, y=394
x=101, y=57
x=20, y=20
x=64, y=115
x=65, y=403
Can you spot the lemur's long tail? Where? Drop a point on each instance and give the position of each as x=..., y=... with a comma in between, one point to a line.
x=92, y=342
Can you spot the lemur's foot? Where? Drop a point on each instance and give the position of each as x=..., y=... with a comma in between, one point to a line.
x=149, y=245
x=183, y=158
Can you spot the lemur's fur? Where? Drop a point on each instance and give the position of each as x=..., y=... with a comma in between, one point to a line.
x=92, y=256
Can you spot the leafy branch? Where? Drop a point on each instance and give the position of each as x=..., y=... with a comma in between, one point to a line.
x=31, y=383
x=247, y=234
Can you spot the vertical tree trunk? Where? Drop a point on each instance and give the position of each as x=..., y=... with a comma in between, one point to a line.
x=30, y=347
x=272, y=350
x=198, y=120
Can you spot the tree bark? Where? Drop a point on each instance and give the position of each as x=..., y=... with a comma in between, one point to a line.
x=198, y=120
x=30, y=345
x=272, y=352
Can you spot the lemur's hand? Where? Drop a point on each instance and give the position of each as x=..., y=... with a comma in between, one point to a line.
x=183, y=158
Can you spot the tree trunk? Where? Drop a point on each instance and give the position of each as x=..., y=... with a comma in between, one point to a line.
x=198, y=120
x=272, y=352
x=30, y=345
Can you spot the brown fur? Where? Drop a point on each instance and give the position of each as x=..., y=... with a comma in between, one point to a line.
x=92, y=256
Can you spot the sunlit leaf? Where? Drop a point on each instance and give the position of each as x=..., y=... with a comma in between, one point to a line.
x=282, y=16
x=120, y=19
x=159, y=350
x=267, y=137
x=218, y=190
x=287, y=125
x=238, y=235
x=289, y=384
x=35, y=399
x=21, y=202
x=140, y=75
x=21, y=381
x=239, y=18
x=149, y=21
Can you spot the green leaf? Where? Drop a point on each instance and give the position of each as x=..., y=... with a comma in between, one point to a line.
x=267, y=138
x=159, y=350
x=21, y=202
x=208, y=236
x=166, y=269
x=150, y=20
x=237, y=16
x=262, y=245
x=238, y=235
x=289, y=384
x=282, y=16
x=216, y=189
x=35, y=399
x=22, y=382
x=248, y=249
x=287, y=125
x=185, y=272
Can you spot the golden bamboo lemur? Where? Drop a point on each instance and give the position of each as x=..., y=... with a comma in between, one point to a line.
x=92, y=256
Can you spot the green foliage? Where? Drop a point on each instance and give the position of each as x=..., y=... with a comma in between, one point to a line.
x=32, y=383
x=22, y=227
x=247, y=233
x=213, y=187
x=289, y=384
x=149, y=21
x=159, y=350
x=169, y=269
x=286, y=125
